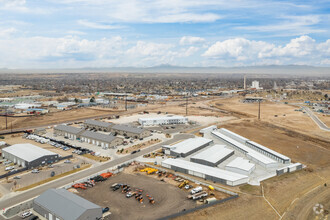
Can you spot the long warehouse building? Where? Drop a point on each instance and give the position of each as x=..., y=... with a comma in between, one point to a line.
x=187, y=147
x=62, y=204
x=68, y=131
x=101, y=140
x=163, y=120
x=233, y=135
x=213, y=156
x=250, y=153
x=205, y=172
x=29, y=155
x=98, y=125
x=270, y=153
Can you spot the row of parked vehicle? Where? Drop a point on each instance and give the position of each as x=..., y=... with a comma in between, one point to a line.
x=137, y=193
x=56, y=143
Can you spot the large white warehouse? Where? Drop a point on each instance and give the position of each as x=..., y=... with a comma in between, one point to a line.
x=253, y=155
x=212, y=156
x=163, y=120
x=205, y=172
x=29, y=155
x=187, y=147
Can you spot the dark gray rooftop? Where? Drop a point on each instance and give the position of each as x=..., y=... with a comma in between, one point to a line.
x=128, y=129
x=99, y=123
x=98, y=136
x=64, y=203
x=69, y=129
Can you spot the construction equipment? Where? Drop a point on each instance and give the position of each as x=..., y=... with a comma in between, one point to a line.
x=151, y=199
x=79, y=185
x=185, y=182
x=106, y=175
x=149, y=170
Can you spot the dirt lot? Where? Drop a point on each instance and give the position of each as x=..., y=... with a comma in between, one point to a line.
x=286, y=115
x=168, y=198
x=51, y=118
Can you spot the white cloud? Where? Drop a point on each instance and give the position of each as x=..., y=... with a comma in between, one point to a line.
x=149, y=49
x=299, y=50
x=190, y=40
x=238, y=48
x=4, y=33
x=98, y=25
x=297, y=47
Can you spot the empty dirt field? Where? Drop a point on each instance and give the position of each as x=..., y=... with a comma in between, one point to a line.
x=168, y=198
x=52, y=118
x=276, y=113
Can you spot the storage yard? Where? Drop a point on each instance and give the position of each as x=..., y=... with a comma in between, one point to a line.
x=169, y=199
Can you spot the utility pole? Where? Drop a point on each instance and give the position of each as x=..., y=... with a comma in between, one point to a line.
x=125, y=102
x=259, y=110
x=6, y=119
x=186, y=105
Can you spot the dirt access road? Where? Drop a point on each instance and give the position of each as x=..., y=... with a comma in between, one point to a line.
x=169, y=199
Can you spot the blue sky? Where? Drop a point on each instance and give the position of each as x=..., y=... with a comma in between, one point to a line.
x=142, y=33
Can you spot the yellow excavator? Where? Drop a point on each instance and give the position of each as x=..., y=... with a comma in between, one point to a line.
x=185, y=182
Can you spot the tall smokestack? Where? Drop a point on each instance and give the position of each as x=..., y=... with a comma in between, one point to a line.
x=244, y=82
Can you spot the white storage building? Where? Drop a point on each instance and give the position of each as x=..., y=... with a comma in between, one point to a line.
x=268, y=152
x=205, y=172
x=241, y=166
x=233, y=135
x=208, y=129
x=169, y=120
x=249, y=152
x=187, y=147
x=29, y=155
x=212, y=156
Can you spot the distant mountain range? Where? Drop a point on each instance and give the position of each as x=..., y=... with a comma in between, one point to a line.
x=298, y=70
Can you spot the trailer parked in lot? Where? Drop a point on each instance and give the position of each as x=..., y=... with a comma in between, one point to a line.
x=198, y=195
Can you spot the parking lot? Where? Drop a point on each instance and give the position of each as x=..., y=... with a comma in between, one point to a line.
x=105, y=152
x=27, y=177
x=168, y=199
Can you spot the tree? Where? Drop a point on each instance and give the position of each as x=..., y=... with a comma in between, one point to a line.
x=92, y=99
x=76, y=100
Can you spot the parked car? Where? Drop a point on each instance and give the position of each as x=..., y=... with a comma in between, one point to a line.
x=67, y=161
x=34, y=217
x=106, y=209
x=35, y=171
x=17, y=177
x=9, y=168
x=26, y=214
x=50, y=166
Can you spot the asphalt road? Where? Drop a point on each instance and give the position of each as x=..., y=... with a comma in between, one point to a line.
x=16, y=199
x=316, y=119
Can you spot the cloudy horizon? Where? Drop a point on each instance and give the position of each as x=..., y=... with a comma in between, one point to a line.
x=197, y=33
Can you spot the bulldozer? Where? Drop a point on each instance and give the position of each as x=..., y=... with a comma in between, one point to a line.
x=185, y=182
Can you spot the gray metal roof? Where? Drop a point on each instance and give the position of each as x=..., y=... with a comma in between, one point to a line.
x=128, y=129
x=27, y=152
x=99, y=123
x=98, y=136
x=213, y=154
x=69, y=129
x=64, y=203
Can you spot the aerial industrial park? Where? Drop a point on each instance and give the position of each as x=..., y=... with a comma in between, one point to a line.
x=164, y=110
x=169, y=156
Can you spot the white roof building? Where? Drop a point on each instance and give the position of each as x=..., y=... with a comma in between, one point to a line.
x=188, y=146
x=205, y=172
x=29, y=155
x=176, y=119
x=241, y=166
x=213, y=155
x=249, y=152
